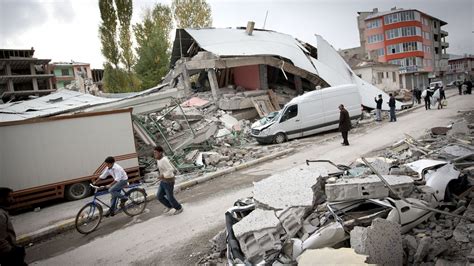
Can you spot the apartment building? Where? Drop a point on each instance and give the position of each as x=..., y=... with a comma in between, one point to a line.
x=409, y=38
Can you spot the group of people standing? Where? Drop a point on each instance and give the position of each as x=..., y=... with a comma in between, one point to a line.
x=465, y=87
x=430, y=96
x=378, y=108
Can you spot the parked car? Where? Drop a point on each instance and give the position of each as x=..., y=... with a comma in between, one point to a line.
x=310, y=113
x=433, y=84
x=454, y=83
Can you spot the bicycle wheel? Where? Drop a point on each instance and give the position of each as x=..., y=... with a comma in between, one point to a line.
x=136, y=202
x=88, y=218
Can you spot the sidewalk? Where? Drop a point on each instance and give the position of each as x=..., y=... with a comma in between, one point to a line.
x=34, y=226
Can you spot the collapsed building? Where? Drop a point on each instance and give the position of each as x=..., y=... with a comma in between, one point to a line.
x=220, y=80
x=411, y=204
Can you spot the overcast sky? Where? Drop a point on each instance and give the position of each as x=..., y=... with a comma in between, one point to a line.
x=65, y=30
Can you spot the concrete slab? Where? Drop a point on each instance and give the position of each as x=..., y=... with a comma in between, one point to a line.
x=381, y=164
x=456, y=150
x=295, y=187
x=257, y=220
x=229, y=121
x=330, y=256
x=292, y=220
x=370, y=187
x=382, y=242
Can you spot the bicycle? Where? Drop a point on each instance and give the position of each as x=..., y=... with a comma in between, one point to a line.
x=90, y=215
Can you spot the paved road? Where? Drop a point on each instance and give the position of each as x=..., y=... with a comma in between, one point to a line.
x=153, y=238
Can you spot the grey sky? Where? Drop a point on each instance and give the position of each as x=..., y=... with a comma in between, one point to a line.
x=65, y=30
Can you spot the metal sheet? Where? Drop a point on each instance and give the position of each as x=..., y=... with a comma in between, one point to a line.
x=235, y=42
x=55, y=103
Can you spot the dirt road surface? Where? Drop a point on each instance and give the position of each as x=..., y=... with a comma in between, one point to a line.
x=156, y=239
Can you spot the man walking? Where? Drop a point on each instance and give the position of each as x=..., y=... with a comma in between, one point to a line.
x=115, y=188
x=344, y=124
x=165, y=190
x=427, y=96
x=10, y=253
x=391, y=104
x=378, y=109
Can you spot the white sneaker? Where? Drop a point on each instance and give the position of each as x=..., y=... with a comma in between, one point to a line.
x=176, y=212
x=166, y=210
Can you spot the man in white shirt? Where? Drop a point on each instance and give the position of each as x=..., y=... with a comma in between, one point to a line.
x=120, y=181
x=167, y=183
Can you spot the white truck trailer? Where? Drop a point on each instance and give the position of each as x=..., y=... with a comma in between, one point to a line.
x=57, y=157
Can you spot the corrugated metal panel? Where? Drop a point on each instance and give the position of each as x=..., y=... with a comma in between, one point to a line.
x=55, y=103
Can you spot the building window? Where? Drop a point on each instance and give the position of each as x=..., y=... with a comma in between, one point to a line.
x=379, y=77
x=401, y=16
x=427, y=35
x=394, y=76
x=376, y=23
x=375, y=38
x=403, y=32
x=381, y=52
x=426, y=48
x=65, y=72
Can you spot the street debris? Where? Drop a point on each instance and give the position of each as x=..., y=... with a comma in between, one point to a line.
x=409, y=205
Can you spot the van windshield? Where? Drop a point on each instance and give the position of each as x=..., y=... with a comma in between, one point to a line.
x=273, y=116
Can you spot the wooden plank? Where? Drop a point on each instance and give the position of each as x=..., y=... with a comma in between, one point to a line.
x=211, y=73
x=274, y=100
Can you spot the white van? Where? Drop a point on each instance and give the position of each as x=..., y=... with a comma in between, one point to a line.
x=308, y=114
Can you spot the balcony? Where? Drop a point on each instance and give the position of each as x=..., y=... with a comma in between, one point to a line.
x=443, y=33
x=444, y=44
x=444, y=56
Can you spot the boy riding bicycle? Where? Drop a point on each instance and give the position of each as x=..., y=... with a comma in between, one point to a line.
x=120, y=181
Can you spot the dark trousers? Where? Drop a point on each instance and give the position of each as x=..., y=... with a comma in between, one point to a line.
x=16, y=257
x=344, y=137
x=165, y=195
x=427, y=104
x=393, y=118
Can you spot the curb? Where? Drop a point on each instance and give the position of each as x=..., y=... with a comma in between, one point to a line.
x=70, y=223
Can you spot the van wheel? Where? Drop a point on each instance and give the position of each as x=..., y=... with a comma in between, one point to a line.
x=280, y=138
x=77, y=191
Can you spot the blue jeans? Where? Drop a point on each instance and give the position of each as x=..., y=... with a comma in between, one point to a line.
x=115, y=192
x=165, y=195
x=392, y=114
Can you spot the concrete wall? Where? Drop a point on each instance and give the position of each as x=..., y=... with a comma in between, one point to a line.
x=386, y=83
x=247, y=77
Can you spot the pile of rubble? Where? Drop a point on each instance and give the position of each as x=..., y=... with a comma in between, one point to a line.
x=202, y=135
x=410, y=205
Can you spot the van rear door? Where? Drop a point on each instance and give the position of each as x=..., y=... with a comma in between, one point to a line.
x=290, y=122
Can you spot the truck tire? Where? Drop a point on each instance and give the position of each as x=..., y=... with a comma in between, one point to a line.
x=280, y=138
x=77, y=191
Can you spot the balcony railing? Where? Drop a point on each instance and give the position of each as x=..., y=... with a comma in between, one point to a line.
x=445, y=44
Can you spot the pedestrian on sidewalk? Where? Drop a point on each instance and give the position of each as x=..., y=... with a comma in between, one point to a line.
x=378, y=109
x=165, y=190
x=10, y=252
x=460, y=88
x=115, y=188
x=391, y=104
x=426, y=96
x=344, y=124
x=418, y=95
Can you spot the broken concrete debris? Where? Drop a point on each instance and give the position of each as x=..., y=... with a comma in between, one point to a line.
x=382, y=242
x=314, y=207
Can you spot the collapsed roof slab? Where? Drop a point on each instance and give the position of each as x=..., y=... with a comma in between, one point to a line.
x=292, y=188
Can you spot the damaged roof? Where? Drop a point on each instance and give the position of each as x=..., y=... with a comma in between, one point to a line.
x=52, y=104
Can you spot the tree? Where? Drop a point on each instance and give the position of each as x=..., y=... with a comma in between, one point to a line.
x=192, y=13
x=124, y=14
x=117, y=79
x=108, y=32
x=152, y=36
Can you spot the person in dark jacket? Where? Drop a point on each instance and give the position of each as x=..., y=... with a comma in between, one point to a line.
x=378, y=109
x=391, y=104
x=427, y=99
x=469, y=87
x=10, y=252
x=344, y=124
x=460, y=88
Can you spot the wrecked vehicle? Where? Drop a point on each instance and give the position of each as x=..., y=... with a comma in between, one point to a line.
x=267, y=119
x=310, y=113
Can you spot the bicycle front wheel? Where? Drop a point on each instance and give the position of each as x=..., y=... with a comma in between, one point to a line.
x=88, y=218
x=136, y=202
